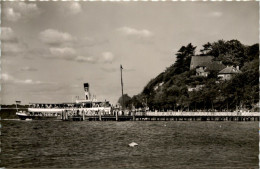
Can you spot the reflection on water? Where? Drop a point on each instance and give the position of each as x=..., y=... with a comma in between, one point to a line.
x=170, y=144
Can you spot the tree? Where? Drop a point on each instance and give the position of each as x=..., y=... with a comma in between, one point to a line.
x=230, y=52
x=136, y=101
x=127, y=101
x=206, y=48
x=252, y=52
x=184, y=54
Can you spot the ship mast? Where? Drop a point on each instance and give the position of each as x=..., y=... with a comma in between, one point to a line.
x=121, y=68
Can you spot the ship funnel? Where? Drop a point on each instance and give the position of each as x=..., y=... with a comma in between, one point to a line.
x=86, y=88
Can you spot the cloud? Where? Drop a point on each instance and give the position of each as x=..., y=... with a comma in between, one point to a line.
x=11, y=45
x=39, y=52
x=55, y=37
x=11, y=15
x=144, y=33
x=6, y=77
x=107, y=57
x=28, y=81
x=10, y=79
x=75, y=8
x=70, y=8
x=14, y=49
x=216, y=14
x=63, y=53
x=60, y=45
x=15, y=11
x=8, y=35
x=26, y=8
x=29, y=69
x=88, y=59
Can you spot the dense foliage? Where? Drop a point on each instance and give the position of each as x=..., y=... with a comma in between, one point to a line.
x=9, y=111
x=125, y=100
x=169, y=90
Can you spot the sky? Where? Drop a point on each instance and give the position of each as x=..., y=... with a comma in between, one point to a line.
x=49, y=49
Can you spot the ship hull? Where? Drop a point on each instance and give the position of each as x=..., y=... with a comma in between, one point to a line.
x=38, y=118
x=30, y=117
x=70, y=113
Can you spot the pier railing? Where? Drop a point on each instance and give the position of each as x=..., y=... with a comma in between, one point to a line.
x=250, y=114
x=172, y=116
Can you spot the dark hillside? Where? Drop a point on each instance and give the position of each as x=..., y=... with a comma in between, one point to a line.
x=179, y=88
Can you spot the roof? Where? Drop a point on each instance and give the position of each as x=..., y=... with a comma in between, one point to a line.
x=200, y=61
x=215, y=65
x=55, y=103
x=229, y=70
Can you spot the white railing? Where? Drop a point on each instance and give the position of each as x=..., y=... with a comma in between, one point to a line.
x=199, y=113
x=44, y=110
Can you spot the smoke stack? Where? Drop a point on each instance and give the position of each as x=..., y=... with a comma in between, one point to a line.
x=86, y=88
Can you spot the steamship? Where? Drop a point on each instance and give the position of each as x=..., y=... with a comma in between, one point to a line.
x=55, y=111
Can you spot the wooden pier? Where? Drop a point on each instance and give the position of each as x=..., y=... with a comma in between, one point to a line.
x=169, y=116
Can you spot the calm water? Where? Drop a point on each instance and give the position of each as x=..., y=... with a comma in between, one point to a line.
x=45, y=144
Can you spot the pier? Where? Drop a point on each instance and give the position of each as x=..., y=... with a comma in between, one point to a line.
x=169, y=116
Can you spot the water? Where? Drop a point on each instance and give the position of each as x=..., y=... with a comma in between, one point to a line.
x=195, y=144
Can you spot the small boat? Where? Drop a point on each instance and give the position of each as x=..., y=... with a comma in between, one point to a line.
x=28, y=116
x=23, y=115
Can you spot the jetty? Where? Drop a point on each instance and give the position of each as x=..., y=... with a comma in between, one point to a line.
x=167, y=116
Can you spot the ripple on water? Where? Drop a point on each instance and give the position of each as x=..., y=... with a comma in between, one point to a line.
x=170, y=144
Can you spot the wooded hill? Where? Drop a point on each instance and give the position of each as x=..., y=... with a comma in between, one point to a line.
x=169, y=90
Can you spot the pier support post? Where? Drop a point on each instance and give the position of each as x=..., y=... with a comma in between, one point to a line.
x=133, y=115
x=83, y=115
x=64, y=115
x=99, y=114
x=116, y=115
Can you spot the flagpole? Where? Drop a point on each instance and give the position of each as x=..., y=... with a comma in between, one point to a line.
x=121, y=68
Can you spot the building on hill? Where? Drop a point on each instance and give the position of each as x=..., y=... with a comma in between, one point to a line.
x=210, y=66
x=205, y=64
x=228, y=72
x=201, y=71
x=199, y=61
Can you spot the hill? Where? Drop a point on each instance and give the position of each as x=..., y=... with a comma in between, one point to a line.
x=185, y=89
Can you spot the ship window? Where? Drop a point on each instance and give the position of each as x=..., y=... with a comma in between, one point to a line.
x=87, y=105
